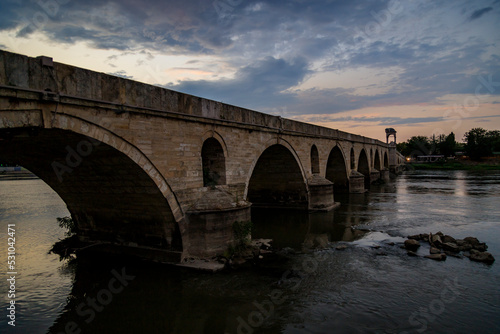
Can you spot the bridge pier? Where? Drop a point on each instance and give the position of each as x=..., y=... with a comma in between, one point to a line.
x=384, y=175
x=374, y=175
x=356, y=182
x=321, y=196
x=210, y=222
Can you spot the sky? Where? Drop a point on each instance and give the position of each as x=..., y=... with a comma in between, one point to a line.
x=421, y=67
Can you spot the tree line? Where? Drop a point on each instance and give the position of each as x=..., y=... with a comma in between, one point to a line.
x=476, y=143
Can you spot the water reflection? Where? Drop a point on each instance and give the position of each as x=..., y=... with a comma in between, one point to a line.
x=302, y=230
x=351, y=291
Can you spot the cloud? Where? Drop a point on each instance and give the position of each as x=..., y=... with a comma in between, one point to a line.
x=260, y=84
x=382, y=121
x=480, y=12
x=424, y=51
x=121, y=74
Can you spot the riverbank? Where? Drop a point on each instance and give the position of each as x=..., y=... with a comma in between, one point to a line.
x=9, y=173
x=456, y=165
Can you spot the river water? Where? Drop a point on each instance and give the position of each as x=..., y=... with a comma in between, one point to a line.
x=309, y=286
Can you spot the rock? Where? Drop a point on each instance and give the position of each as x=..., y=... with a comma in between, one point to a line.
x=458, y=256
x=465, y=247
x=480, y=247
x=435, y=250
x=471, y=240
x=381, y=253
x=452, y=247
x=436, y=241
x=375, y=247
x=341, y=247
x=411, y=244
x=448, y=238
x=440, y=234
x=410, y=253
x=436, y=257
x=415, y=237
x=391, y=243
x=482, y=257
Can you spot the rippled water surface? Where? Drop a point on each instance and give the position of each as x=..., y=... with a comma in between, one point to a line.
x=307, y=287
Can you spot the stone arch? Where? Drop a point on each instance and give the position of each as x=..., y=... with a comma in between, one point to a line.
x=218, y=137
x=376, y=162
x=314, y=160
x=364, y=167
x=371, y=157
x=386, y=161
x=336, y=169
x=113, y=191
x=352, y=159
x=277, y=179
x=213, y=163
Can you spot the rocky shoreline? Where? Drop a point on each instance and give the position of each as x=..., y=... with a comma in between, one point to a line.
x=442, y=245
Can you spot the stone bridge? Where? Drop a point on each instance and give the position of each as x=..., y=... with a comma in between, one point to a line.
x=164, y=173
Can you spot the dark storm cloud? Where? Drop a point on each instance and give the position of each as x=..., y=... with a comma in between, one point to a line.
x=276, y=45
x=480, y=12
x=257, y=85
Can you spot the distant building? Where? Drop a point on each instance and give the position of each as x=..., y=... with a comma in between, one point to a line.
x=430, y=158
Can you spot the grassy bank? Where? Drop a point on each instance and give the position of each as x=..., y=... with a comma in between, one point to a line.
x=455, y=165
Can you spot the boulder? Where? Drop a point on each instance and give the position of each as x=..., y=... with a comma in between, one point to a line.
x=415, y=237
x=448, y=238
x=471, y=240
x=481, y=246
x=440, y=234
x=435, y=250
x=435, y=240
x=436, y=257
x=412, y=244
x=410, y=253
x=457, y=255
x=450, y=246
x=482, y=257
x=341, y=247
x=463, y=245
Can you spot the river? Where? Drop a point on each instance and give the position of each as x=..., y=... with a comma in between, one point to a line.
x=308, y=286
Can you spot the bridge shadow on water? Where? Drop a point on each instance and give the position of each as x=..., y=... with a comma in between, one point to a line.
x=302, y=230
x=111, y=292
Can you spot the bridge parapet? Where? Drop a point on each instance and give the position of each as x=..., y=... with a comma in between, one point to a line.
x=69, y=81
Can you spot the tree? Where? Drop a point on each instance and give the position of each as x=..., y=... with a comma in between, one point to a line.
x=478, y=143
x=448, y=145
x=417, y=145
x=494, y=137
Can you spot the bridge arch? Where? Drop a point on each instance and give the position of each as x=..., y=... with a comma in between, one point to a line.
x=105, y=181
x=352, y=159
x=314, y=160
x=376, y=163
x=277, y=179
x=213, y=160
x=336, y=170
x=386, y=161
x=364, y=167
